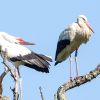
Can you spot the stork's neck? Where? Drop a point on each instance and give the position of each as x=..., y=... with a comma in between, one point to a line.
x=83, y=27
x=83, y=32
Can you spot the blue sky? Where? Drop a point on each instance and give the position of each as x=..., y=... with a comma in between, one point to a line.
x=41, y=22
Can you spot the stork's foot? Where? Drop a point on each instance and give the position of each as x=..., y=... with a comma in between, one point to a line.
x=77, y=77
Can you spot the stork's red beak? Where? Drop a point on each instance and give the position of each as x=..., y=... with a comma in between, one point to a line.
x=89, y=26
x=23, y=42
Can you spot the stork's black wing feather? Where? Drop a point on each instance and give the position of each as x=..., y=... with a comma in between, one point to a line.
x=38, y=62
x=61, y=45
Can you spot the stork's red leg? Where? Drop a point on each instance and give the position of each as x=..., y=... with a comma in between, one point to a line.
x=76, y=61
x=70, y=60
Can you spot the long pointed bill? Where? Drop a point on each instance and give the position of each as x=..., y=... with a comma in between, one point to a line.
x=89, y=26
x=23, y=42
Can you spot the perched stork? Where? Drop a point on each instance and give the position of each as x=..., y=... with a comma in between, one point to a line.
x=13, y=39
x=20, y=55
x=70, y=40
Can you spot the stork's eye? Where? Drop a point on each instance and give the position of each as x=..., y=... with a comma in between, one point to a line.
x=83, y=19
x=15, y=42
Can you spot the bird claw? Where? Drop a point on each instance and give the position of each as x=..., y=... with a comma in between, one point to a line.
x=77, y=77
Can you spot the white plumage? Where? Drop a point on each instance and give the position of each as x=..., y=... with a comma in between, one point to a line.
x=20, y=55
x=14, y=49
x=71, y=38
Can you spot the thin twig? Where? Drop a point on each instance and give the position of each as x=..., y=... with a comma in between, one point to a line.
x=41, y=93
x=77, y=82
x=55, y=96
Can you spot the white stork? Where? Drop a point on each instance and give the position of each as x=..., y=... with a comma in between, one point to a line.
x=70, y=40
x=20, y=55
x=13, y=39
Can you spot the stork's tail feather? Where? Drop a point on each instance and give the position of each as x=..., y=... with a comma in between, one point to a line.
x=57, y=62
x=47, y=58
x=37, y=68
x=38, y=62
x=35, y=61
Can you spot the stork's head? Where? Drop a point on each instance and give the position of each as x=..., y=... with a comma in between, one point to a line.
x=82, y=21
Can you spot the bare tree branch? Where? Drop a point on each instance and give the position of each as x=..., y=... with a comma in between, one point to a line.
x=1, y=87
x=77, y=82
x=1, y=79
x=15, y=77
x=13, y=74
